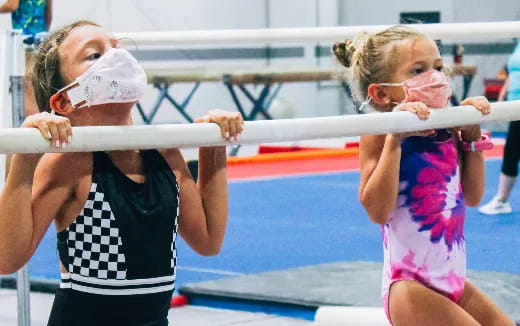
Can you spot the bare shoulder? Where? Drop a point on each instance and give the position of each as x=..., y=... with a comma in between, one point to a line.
x=172, y=155
x=175, y=160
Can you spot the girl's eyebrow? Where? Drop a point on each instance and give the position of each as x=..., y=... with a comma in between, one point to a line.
x=415, y=64
x=86, y=45
x=424, y=63
x=94, y=42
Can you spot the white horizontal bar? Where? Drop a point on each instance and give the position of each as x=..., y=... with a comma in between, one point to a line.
x=507, y=29
x=359, y=316
x=25, y=140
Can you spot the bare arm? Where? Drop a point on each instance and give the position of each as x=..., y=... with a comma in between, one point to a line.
x=16, y=218
x=31, y=196
x=472, y=171
x=212, y=184
x=9, y=6
x=380, y=158
x=472, y=163
x=203, y=206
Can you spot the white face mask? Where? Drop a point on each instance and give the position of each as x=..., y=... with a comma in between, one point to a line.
x=116, y=77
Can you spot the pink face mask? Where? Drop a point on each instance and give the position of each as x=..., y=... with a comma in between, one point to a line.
x=430, y=87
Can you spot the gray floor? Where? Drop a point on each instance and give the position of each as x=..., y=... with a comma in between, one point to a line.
x=356, y=284
x=181, y=316
x=344, y=284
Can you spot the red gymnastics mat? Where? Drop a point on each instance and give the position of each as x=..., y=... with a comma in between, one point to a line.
x=279, y=164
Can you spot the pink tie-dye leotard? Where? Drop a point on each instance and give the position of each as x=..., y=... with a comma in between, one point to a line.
x=424, y=238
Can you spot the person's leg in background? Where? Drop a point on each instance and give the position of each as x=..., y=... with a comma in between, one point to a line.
x=499, y=204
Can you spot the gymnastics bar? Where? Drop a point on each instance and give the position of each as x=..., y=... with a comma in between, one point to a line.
x=343, y=315
x=183, y=76
x=506, y=29
x=281, y=76
x=262, y=102
x=29, y=140
x=163, y=80
x=244, y=76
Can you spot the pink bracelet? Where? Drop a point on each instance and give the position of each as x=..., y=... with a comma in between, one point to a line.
x=477, y=146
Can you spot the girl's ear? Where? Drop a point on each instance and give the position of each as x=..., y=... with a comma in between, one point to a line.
x=60, y=103
x=379, y=94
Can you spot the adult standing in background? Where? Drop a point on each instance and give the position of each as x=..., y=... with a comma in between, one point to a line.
x=33, y=17
x=511, y=91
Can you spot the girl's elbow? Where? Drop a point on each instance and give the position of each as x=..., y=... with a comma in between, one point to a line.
x=377, y=215
x=12, y=260
x=209, y=251
x=208, y=248
x=473, y=199
x=7, y=267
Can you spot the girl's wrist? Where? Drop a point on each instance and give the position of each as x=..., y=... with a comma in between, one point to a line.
x=214, y=149
x=393, y=141
x=216, y=156
x=29, y=158
x=471, y=134
x=484, y=143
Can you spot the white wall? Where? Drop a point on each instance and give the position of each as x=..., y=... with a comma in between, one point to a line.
x=308, y=99
x=376, y=12
x=150, y=15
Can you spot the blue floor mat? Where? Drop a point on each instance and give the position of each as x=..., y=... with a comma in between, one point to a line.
x=299, y=221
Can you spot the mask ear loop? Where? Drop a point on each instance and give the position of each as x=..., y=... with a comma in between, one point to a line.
x=72, y=96
x=364, y=107
x=397, y=84
x=66, y=91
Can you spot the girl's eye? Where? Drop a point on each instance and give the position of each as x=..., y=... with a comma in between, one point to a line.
x=94, y=56
x=418, y=71
x=439, y=68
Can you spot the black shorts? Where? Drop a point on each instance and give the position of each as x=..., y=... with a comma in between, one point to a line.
x=73, y=308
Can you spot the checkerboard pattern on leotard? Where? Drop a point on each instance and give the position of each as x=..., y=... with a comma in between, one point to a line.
x=173, y=261
x=95, y=247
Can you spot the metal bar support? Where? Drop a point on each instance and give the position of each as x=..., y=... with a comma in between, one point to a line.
x=17, y=85
x=164, y=95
